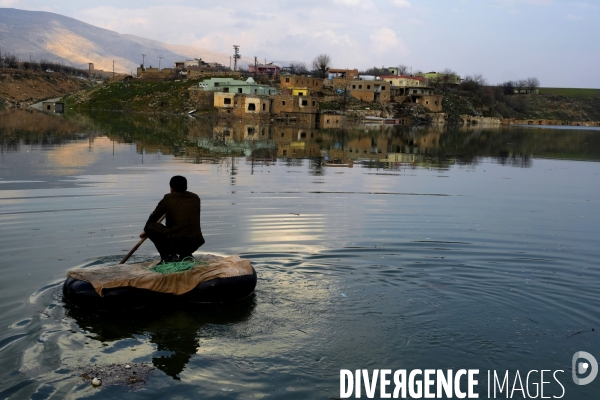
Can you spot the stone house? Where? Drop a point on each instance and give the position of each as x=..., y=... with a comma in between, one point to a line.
x=342, y=73
x=242, y=105
x=294, y=82
x=371, y=90
x=405, y=80
x=265, y=69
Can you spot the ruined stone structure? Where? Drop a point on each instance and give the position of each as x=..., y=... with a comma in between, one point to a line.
x=432, y=102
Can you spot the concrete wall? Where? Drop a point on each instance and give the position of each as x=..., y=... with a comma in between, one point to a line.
x=193, y=74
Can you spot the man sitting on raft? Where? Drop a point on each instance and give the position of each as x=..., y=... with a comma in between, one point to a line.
x=182, y=234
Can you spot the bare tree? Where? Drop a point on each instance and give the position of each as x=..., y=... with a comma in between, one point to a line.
x=402, y=69
x=321, y=63
x=520, y=85
x=508, y=87
x=473, y=82
x=532, y=84
x=298, y=68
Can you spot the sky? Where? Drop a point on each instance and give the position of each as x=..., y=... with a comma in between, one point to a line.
x=556, y=41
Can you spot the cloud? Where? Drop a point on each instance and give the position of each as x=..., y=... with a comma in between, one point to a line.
x=385, y=40
x=526, y=2
x=401, y=3
x=572, y=17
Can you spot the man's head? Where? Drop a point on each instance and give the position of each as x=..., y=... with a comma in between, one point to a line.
x=178, y=183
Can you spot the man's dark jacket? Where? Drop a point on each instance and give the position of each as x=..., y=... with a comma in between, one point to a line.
x=183, y=215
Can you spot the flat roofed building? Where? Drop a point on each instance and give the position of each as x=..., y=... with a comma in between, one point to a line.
x=230, y=85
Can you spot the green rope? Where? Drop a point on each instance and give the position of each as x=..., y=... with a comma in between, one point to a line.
x=177, y=266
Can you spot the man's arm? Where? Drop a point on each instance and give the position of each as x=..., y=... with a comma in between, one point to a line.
x=159, y=211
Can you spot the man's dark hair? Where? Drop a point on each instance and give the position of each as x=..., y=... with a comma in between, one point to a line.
x=178, y=183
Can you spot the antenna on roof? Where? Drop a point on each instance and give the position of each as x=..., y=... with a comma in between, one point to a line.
x=236, y=55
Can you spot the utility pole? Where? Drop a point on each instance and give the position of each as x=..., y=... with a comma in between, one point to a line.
x=255, y=67
x=143, y=56
x=159, y=58
x=236, y=55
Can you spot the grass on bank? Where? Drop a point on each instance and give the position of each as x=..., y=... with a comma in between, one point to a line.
x=570, y=92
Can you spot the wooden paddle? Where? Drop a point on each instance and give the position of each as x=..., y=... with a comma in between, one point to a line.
x=142, y=240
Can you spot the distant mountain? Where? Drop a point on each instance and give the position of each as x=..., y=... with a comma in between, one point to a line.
x=56, y=38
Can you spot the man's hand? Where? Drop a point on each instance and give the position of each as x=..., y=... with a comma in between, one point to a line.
x=143, y=234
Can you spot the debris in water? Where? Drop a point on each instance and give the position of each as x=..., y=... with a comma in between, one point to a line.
x=133, y=375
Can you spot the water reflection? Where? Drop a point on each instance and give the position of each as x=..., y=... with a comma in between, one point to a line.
x=212, y=140
x=175, y=332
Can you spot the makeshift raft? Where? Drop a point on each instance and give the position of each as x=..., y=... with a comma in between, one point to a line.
x=212, y=279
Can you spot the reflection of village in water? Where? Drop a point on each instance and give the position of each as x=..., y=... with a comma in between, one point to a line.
x=371, y=146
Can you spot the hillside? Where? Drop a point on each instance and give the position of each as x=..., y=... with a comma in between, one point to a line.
x=574, y=105
x=26, y=87
x=56, y=38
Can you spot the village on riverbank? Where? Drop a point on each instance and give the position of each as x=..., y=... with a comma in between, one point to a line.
x=324, y=97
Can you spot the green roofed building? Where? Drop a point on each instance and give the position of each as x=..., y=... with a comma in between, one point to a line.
x=441, y=78
x=230, y=85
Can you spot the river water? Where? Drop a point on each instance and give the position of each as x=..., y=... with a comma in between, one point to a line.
x=427, y=248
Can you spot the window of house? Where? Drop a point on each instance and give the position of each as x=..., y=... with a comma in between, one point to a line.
x=250, y=130
x=239, y=90
x=300, y=93
x=226, y=90
x=282, y=134
x=216, y=84
x=353, y=86
x=264, y=108
x=304, y=102
x=414, y=92
x=251, y=107
x=327, y=121
x=283, y=103
x=285, y=152
x=436, y=103
x=226, y=132
x=302, y=135
x=360, y=86
x=427, y=102
x=312, y=135
x=368, y=86
x=314, y=103
x=227, y=101
x=383, y=88
x=287, y=80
